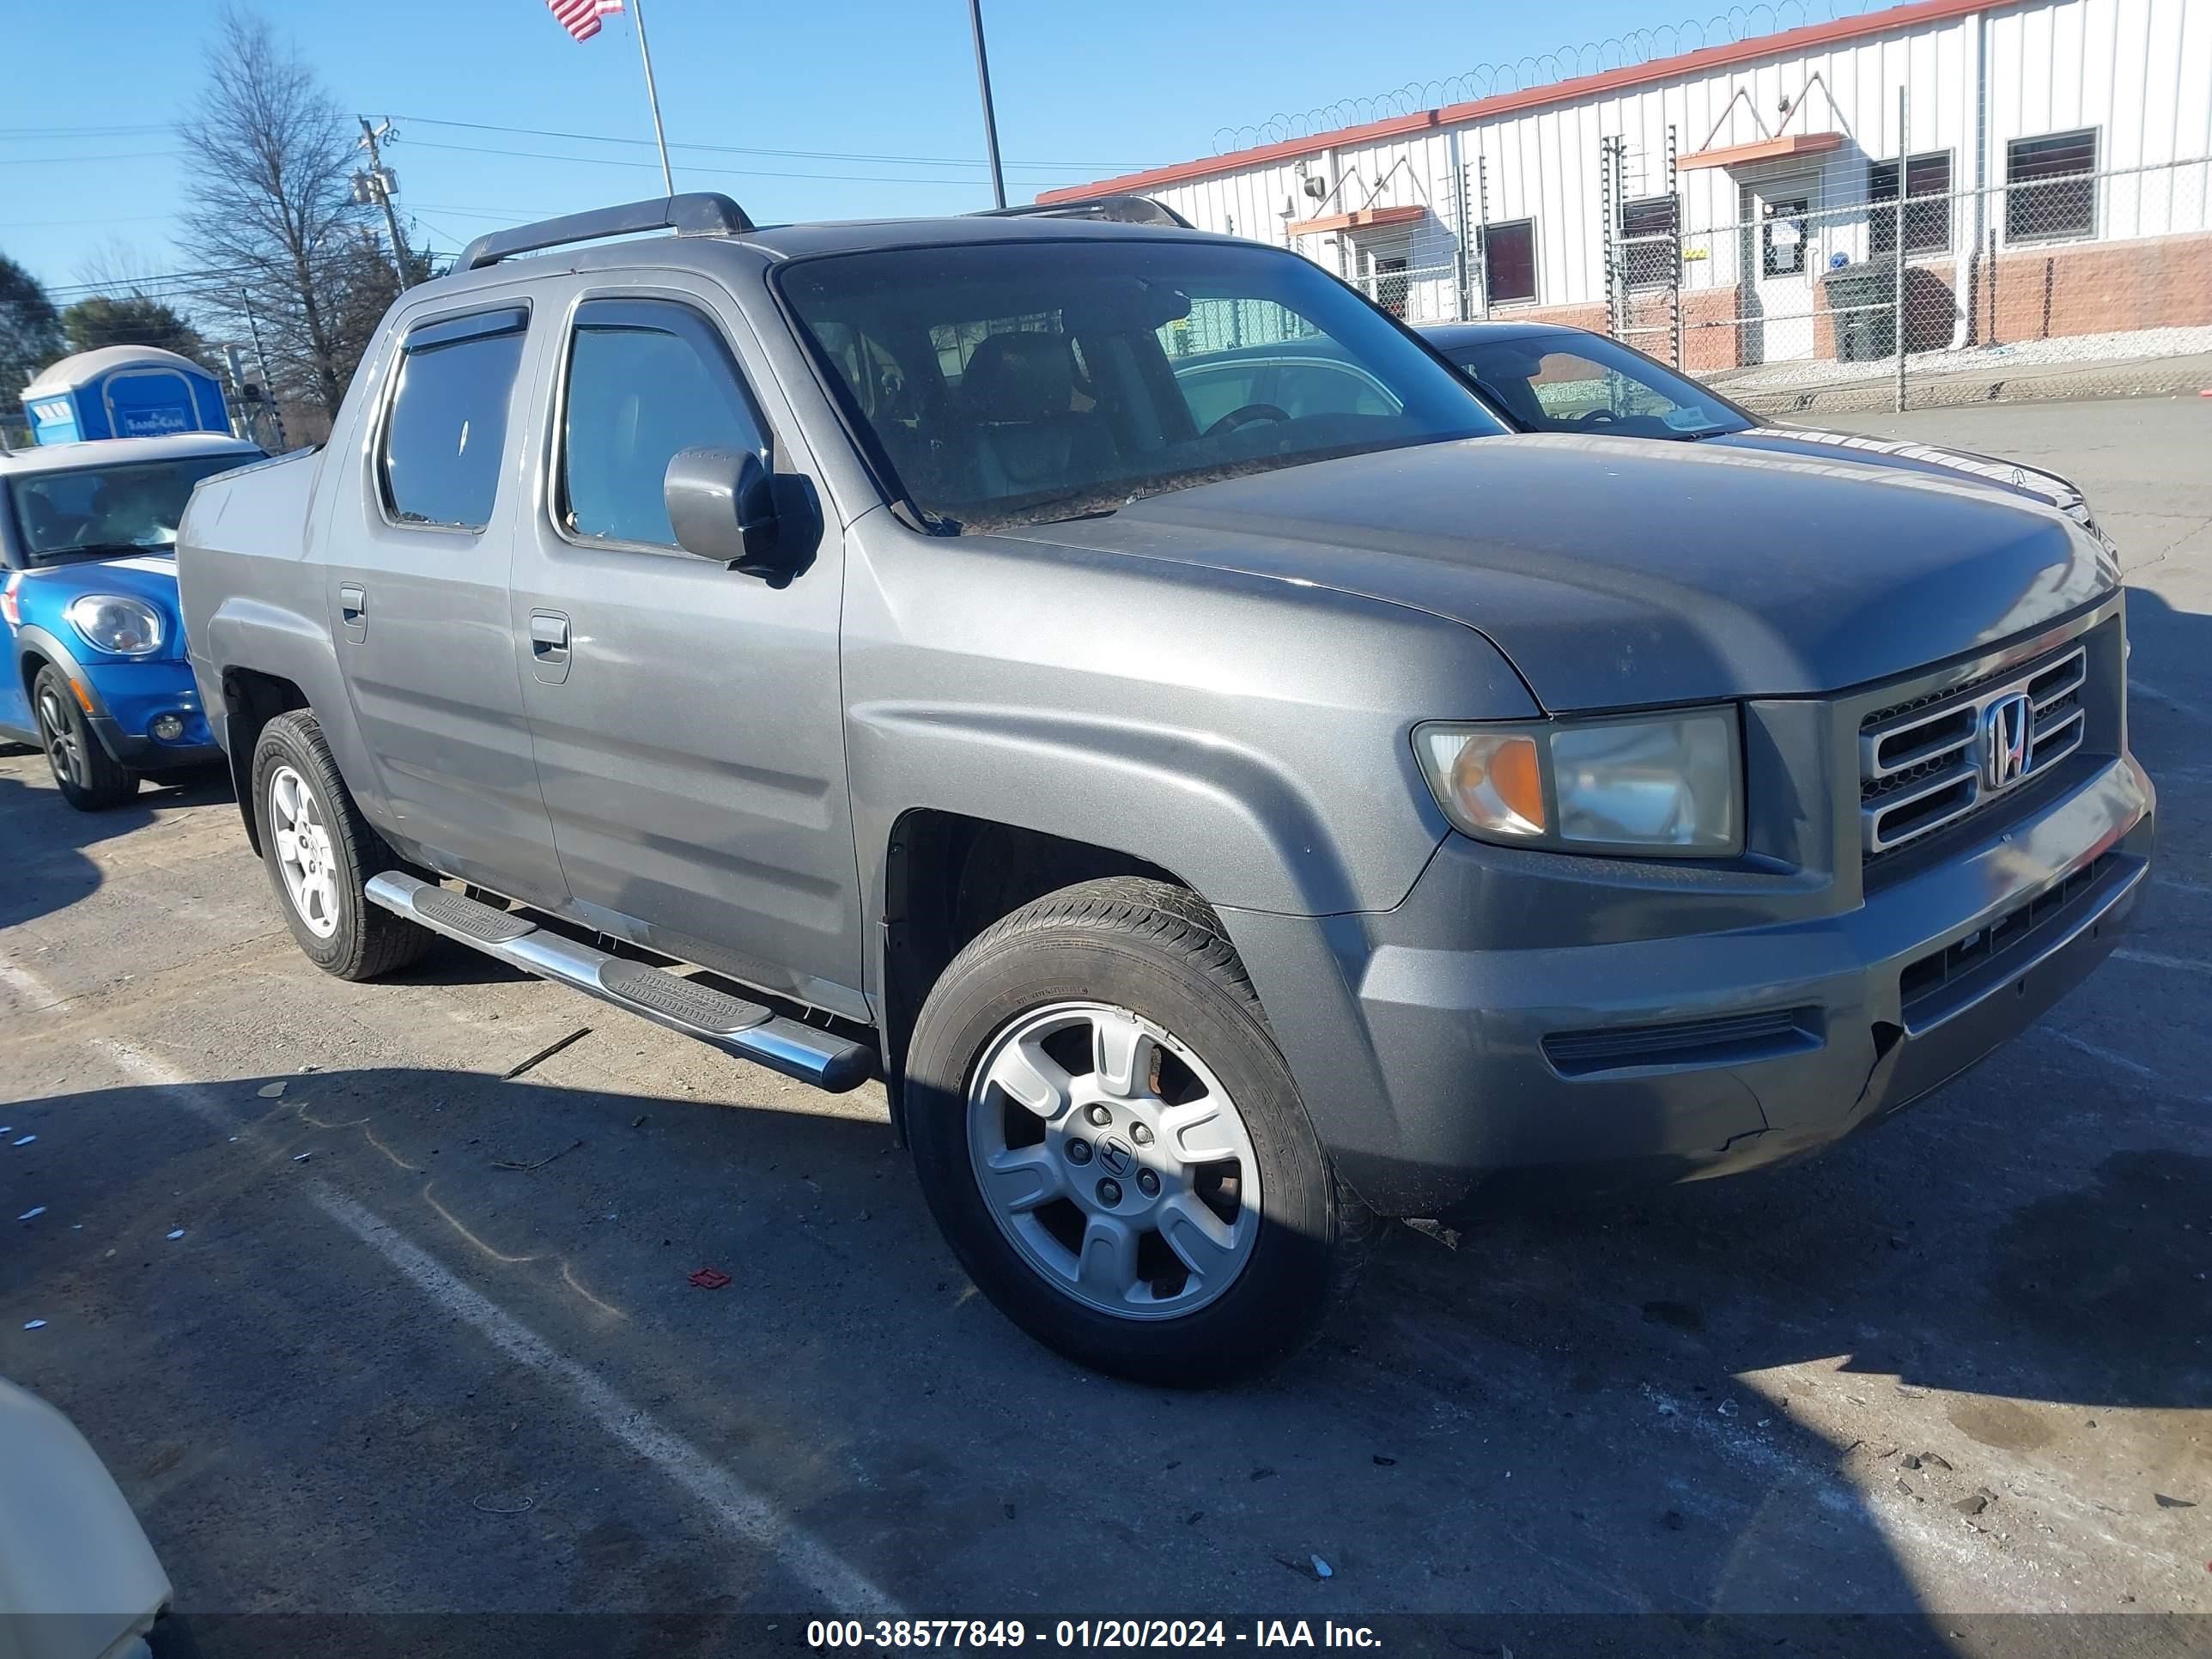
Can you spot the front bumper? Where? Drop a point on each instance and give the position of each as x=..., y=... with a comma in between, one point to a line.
x=1594, y=1066
x=129, y=697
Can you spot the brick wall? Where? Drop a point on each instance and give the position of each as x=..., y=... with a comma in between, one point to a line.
x=2093, y=287
x=2025, y=293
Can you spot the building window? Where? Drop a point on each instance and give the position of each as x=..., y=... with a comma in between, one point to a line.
x=1927, y=210
x=1650, y=262
x=1391, y=285
x=2050, y=188
x=1509, y=261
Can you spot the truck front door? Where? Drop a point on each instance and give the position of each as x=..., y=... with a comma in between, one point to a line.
x=416, y=568
x=687, y=720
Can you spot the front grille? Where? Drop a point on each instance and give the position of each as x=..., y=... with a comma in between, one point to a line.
x=1921, y=761
x=1981, y=955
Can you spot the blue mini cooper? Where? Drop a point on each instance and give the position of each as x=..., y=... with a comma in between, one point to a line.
x=95, y=669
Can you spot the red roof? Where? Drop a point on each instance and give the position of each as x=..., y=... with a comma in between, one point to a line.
x=1558, y=92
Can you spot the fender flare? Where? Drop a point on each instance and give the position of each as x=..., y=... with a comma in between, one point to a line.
x=31, y=638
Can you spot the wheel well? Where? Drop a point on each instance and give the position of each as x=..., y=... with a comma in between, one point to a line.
x=30, y=667
x=251, y=699
x=947, y=879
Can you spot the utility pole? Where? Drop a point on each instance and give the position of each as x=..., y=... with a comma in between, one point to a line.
x=653, y=94
x=990, y=120
x=377, y=185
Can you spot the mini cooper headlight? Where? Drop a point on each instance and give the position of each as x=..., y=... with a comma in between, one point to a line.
x=1652, y=785
x=115, y=623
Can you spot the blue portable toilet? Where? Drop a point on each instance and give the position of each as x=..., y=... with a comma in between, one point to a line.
x=124, y=392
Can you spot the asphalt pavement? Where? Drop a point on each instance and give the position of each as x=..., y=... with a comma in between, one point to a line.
x=365, y=1328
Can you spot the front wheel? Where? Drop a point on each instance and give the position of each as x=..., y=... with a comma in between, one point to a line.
x=1114, y=1147
x=90, y=779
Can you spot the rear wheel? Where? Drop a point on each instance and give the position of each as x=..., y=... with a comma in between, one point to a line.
x=320, y=853
x=90, y=779
x=1114, y=1147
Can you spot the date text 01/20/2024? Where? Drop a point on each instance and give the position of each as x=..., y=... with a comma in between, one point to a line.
x=1083, y=1634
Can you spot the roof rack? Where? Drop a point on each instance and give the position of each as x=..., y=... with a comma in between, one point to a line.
x=1121, y=210
x=698, y=213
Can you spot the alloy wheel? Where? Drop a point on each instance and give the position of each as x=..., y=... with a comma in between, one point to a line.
x=1111, y=1156
x=63, y=743
x=304, y=857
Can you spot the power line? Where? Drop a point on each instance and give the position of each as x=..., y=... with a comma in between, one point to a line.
x=36, y=135
x=124, y=155
x=744, y=150
x=712, y=172
x=8, y=135
x=104, y=219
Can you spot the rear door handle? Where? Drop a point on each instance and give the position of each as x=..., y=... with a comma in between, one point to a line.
x=353, y=610
x=548, y=646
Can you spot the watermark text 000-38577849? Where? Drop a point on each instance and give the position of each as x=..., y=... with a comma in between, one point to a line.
x=1086, y=1635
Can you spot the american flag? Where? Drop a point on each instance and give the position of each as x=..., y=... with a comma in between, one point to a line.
x=581, y=17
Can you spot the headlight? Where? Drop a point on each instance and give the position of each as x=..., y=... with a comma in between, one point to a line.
x=1669, y=785
x=111, y=622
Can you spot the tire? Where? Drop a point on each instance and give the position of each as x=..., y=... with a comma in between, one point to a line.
x=1086, y=972
x=320, y=852
x=90, y=779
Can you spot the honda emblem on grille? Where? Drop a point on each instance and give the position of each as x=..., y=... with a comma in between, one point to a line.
x=2007, y=725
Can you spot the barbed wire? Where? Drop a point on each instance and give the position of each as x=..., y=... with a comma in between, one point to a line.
x=1546, y=68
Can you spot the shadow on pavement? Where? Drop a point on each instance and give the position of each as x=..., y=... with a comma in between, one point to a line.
x=296, y=1365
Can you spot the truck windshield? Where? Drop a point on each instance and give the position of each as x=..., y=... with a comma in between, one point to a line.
x=102, y=511
x=1009, y=384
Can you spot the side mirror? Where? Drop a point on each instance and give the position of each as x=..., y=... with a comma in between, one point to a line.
x=725, y=506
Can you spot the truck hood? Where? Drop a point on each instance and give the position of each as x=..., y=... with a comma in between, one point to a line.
x=1615, y=573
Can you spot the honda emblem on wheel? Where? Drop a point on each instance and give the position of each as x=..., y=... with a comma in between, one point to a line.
x=2006, y=723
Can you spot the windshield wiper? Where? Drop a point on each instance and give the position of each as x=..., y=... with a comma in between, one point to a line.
x=105, y=549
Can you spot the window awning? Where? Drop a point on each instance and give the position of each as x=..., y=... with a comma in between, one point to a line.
x=1359, y=219
x=1765, y=149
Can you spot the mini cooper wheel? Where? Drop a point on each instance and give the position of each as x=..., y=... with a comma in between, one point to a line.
x=320, y=853
x=90, y=779
x=1114, y=1147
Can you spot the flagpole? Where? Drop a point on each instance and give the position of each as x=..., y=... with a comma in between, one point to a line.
x=983, y=84
x=652, y=95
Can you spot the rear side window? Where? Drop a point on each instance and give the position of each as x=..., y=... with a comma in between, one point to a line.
x=445, y=438
x=646, y=379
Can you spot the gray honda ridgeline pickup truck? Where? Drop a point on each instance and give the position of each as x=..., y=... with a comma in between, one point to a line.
x=1222, y=814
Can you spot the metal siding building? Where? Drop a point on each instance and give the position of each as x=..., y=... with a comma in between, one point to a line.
x=2057, y=176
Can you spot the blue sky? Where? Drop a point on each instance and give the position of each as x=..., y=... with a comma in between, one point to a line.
x=841, y=107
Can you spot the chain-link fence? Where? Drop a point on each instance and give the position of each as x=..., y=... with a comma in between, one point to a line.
x=2056, y=265
x=1829, y=280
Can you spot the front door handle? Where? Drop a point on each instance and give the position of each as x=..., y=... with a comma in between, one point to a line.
x=548, y=646
x=353, y=610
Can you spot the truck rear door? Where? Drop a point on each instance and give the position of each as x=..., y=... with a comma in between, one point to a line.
x=417, y=570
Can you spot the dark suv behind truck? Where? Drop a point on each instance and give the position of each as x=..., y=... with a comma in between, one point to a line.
x=854, y=647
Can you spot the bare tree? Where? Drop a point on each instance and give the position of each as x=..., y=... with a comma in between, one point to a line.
x=268, y=210
x=118, y=267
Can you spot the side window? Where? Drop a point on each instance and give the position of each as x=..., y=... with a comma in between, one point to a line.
x=445, y=439
x=646, y=379
x=1303, y=389
x=1216, y=391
